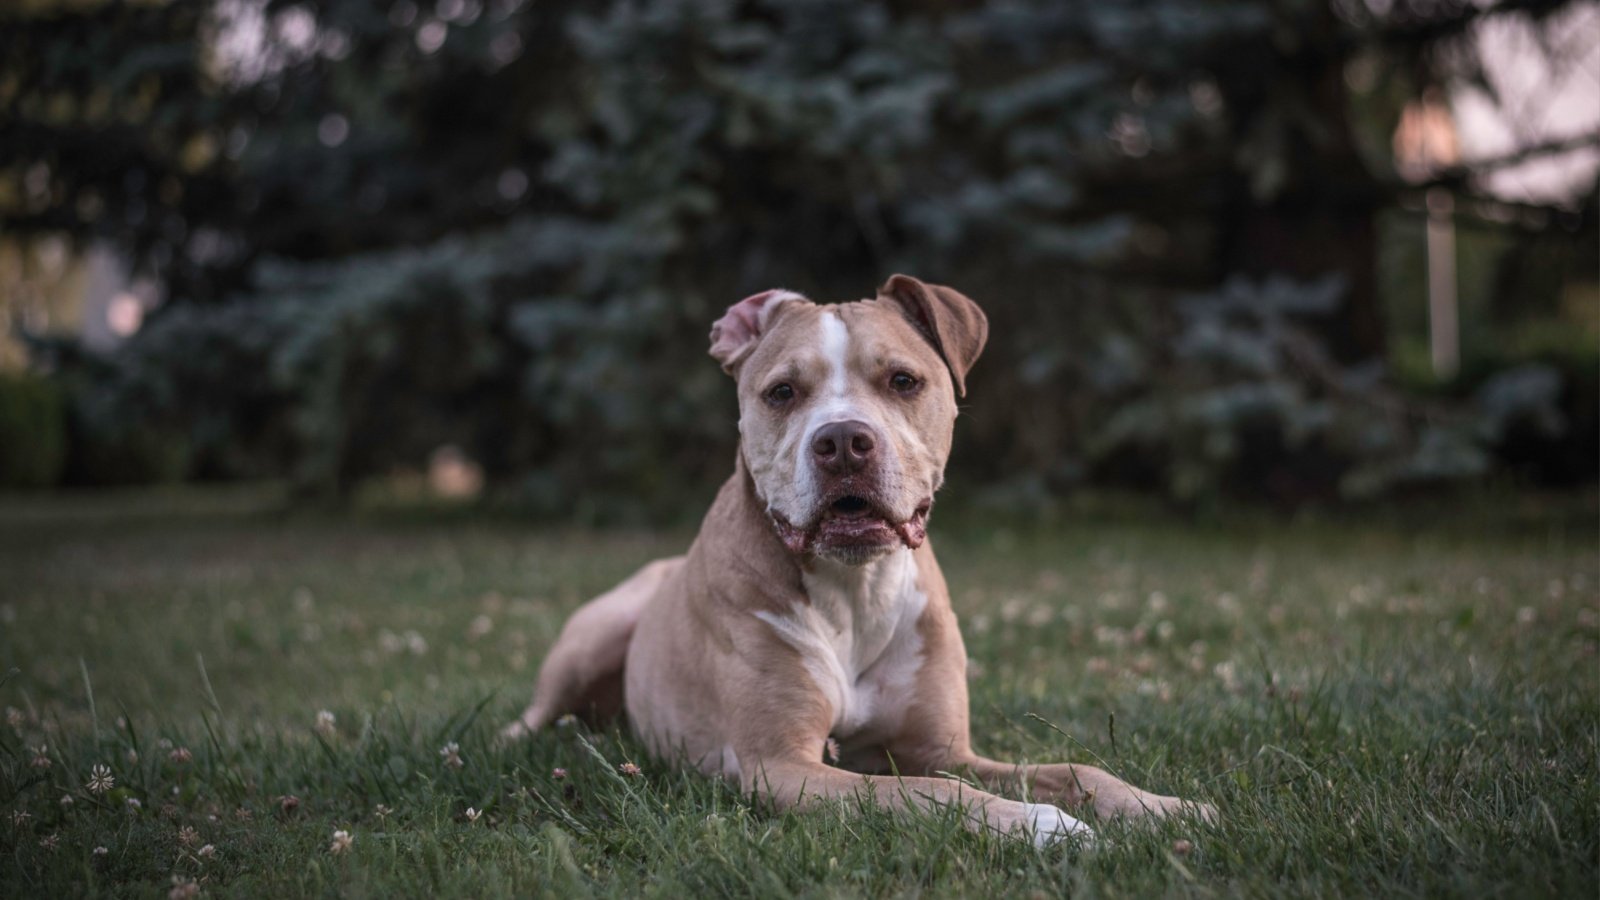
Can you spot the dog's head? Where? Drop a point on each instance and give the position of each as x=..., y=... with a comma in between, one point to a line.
x=846, y=411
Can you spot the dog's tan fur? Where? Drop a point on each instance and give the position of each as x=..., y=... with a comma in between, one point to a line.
x=745, y=656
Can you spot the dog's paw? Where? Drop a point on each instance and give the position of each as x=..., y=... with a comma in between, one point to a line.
x=515, y=731
x=1048, y=825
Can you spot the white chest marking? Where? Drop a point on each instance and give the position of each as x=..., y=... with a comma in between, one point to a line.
x=858, y=640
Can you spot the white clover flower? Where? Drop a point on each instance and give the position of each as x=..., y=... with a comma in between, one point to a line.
x=208, y=851
x=480, y=627
x=630, y=770
x=100, y=779
x=180, y=756
x=326, y=724
x=67, y=801
x=473, y=814
x=341, y=842
x=101, y=851
x=134, y=805
x=41, y=757
x=451, y=754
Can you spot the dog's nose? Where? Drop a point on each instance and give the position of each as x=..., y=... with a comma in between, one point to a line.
x=844, y=447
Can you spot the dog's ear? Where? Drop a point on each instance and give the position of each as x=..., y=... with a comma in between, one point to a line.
x=949, y=319
x=734, y=335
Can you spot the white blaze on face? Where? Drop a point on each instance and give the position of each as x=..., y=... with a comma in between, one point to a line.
x=836, y=400
x=836, y=349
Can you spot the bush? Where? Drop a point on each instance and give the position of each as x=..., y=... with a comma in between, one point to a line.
x=33, y=438
x=581, y=388
x=647, y=163
x=1248, y=402
x=583, y=393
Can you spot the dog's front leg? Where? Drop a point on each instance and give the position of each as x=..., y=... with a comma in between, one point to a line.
x=803, y=784
x=1075, y=785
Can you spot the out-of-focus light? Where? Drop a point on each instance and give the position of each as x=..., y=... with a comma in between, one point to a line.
x=334, y=45
x=1129, y=133
x=464, y=12
x=502, y=9
x=1361, y=74
x=296, y=28
x=430, y=37
x=51, y=255
x=505, y=48
x=36, y=182
x=1206, y=97
x=513, y=184
x=124, y=314
x=333, y=129
x=1425, y=141
x=451, y=473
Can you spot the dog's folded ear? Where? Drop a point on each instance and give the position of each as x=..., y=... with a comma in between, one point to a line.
x=949, y=319
x=735, y=334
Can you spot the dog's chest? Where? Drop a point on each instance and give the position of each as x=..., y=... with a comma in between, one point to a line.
x=858, y=640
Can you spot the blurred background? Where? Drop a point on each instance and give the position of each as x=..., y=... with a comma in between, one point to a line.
x=1274, y=253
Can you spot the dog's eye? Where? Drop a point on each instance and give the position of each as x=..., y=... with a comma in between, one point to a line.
x=780, y=393
x=904, y=382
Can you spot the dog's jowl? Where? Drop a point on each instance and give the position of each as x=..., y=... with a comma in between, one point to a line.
x=810, y=605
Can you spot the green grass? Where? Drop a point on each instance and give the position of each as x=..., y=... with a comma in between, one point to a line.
x=1394, y=707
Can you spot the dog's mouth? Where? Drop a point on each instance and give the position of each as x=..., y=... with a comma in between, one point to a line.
x=854, y=522
x=850, y=506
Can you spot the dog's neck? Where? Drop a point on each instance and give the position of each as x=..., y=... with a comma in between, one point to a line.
x=863, y=604
x=861, y=612
x=864, y=599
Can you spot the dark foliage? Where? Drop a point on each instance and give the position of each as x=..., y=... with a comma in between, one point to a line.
x=509, y=225
x=32, y=432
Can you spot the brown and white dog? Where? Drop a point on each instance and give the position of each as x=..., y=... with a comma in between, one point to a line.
x=810, y=605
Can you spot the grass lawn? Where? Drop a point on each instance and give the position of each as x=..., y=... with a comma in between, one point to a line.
x=1400, y=706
